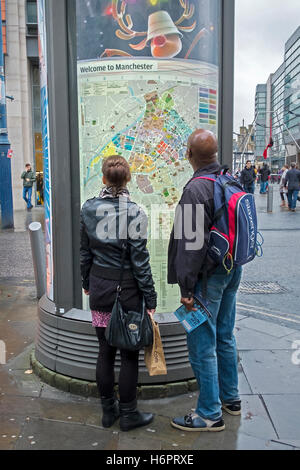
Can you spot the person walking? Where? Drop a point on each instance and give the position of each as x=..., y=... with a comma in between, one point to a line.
x=292, y=182
x=100, y=260
x=28, y=178
x=264, y=176
x=212, y=346
x=247, y=178
x=282, y=189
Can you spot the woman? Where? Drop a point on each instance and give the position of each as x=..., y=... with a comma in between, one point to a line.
x=282, y=189
x=105, y=222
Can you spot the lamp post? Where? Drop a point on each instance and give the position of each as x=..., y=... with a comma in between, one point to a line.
x=6, y=200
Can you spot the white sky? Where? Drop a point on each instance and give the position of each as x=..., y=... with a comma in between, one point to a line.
x=261, y=31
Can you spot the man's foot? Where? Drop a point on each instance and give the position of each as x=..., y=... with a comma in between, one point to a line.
x=233, y=408
x=194, y=422
x=293, y=210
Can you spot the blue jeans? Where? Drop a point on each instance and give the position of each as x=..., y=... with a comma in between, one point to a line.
x=249, y=188
x=263, y=187
x=212, y=346
x=292, y=198
x=27, y=192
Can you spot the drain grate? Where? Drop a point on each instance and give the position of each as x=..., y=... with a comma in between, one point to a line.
x=262, y=287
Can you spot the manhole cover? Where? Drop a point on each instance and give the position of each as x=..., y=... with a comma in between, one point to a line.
x=261, y=287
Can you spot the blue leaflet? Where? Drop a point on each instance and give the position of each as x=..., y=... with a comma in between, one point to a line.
x=190, y=320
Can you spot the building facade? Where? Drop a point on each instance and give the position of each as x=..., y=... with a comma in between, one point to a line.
x=260, y=122
x=277, y=110
x=243, y=147
x=19, y=19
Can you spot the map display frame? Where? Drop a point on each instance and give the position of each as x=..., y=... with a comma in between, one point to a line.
x=145, y=106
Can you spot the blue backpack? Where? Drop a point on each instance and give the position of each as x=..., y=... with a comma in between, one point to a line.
x=233, y=235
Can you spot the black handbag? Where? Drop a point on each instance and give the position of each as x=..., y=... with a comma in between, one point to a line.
x=128, y=330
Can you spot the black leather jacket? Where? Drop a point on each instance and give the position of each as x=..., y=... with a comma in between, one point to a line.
x=185, y=268
x=104, y=227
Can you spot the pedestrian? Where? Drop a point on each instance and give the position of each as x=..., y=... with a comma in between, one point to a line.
x=40, y=189
x=100, y=259
x=282, y=189
x=28, y=178
x=292, y=183
x=247, y=178
x=264, y=176
x=212, y=347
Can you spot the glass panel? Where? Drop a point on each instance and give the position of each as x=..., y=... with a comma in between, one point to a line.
x=144, y=85
x=31, y=12
x=37, y=119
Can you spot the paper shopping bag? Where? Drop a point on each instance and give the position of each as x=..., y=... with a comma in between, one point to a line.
x=154, y=355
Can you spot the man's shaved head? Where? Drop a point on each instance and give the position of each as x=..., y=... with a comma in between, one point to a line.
x=202, y=148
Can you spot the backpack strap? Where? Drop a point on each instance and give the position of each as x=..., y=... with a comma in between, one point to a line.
x=209, y=178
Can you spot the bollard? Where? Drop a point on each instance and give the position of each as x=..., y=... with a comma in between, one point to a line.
x=38, y=257
x=270, y=198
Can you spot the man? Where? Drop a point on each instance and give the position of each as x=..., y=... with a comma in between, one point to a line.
x=264, y=176
x=248, y=177
x=292, y=182
x=212, y=347
x=28, y=178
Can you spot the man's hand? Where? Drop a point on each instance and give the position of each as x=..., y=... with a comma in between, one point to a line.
x=87, y=292
x=27, y=179
x=188, y=303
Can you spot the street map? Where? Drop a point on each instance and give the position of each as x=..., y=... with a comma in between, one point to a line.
x=147, y=121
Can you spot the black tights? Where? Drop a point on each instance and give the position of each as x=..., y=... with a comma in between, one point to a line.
x=105, y=375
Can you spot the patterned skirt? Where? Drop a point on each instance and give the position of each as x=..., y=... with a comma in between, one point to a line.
x=100, y=319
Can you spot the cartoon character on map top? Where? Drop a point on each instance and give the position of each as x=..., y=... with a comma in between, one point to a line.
x=164, y=35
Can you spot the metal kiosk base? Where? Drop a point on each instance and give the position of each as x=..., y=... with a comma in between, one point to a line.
x=67, y=344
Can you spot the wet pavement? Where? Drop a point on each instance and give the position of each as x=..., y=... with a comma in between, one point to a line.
x=34, y=415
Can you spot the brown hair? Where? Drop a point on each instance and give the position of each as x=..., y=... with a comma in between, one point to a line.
x=116, y=171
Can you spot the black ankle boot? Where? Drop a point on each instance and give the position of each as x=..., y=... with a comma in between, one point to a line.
x=131, y=418
x=111, y=413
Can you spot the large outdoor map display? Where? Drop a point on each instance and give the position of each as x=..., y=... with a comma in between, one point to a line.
x=142, y=101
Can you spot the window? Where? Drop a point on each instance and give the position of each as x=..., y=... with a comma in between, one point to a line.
x=31, y=18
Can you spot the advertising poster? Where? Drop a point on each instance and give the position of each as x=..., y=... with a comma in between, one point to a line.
x=147, y=78
x=46, y=147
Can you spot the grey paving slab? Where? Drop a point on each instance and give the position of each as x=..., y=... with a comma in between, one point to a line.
x=285, y=413
x=229, y=440
x=271, y=372
x=39, y=434
x=19, y=383
x=248, y=339
x=254, y=420
x=239, y=317
x=244, y=387
x=54, y=394
x=294, y=338
x=10, y=430
x=266, y=327
x=290, y=442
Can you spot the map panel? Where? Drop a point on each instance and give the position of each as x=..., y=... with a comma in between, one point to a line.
x=146, y=118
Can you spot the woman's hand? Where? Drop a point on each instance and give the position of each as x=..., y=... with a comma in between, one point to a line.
x=87, y=292
x=151, y=312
